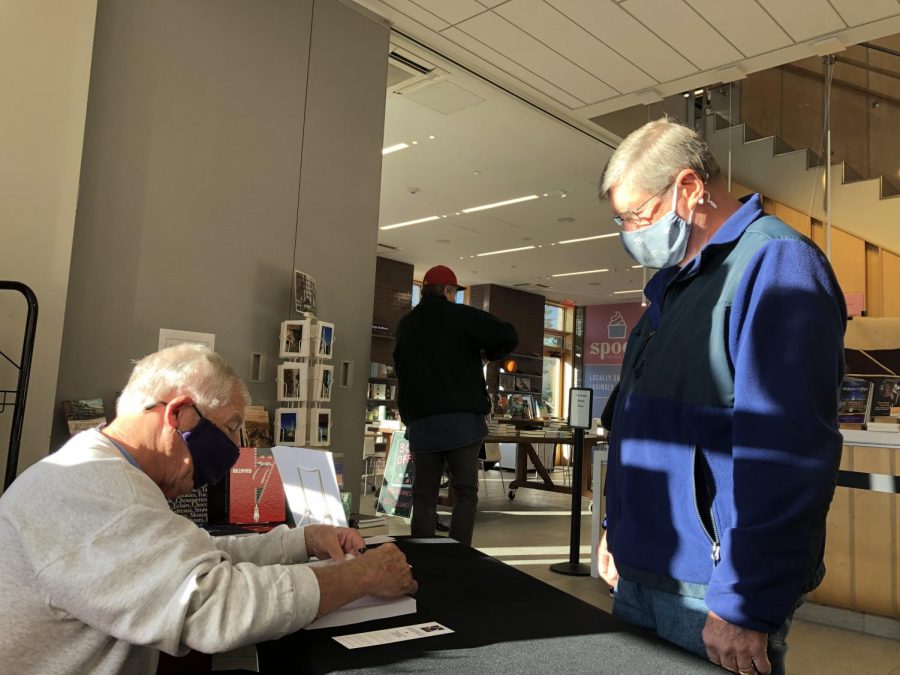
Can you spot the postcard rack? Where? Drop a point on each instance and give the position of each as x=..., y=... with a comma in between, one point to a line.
x=15, y=398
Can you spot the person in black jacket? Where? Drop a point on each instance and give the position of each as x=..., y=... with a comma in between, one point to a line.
x=439, y=355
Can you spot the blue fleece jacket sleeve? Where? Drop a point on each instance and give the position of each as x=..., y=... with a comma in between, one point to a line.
x=786, y=343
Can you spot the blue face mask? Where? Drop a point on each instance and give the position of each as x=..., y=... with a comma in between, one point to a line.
x=212, y=452
x=662, y=243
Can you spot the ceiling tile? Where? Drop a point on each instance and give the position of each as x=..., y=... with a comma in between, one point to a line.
x=561, y=34
x=745, y=24
x=452, y=12
x=491, y=3
x=416, y=13
x=855, y=12
x=615, y=27
x=680, y=26
x=804, y=19
x=524, y=49
x=512, y=68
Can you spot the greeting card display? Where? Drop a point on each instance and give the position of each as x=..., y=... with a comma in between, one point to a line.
x=322, y=382
x=296, y=339
x=319, y=426
x=290, y=426
x=324, y=342
x=293, y=381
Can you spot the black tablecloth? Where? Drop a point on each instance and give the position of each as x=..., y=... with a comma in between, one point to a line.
x=504, y=621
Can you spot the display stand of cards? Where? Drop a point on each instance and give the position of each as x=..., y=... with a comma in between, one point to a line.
x=305, y=376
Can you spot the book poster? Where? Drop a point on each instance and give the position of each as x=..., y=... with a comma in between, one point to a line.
x=194, y=505
x=854, y=401
x=395, y=496
x=255, y=491
x=886, y=398
x=83, y=414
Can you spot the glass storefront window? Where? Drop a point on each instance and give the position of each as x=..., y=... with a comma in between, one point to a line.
x=553, y=341
x=551, y=387
x=554, y=317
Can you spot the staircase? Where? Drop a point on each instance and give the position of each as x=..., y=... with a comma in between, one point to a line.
x=869, y=209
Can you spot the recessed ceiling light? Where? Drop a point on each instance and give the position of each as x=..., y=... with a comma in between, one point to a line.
x=431, y=138
x=415, y=142
x=572, y=274
x=636, y=290
x=394, y=148
x=408, y=222
x=686, y=95
x=507, y=202
x=599, y=236
x=506, y=250
x=697, y=92
x=636, y=267
x=476, y=173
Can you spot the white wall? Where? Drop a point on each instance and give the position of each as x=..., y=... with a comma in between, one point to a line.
x=45, y=62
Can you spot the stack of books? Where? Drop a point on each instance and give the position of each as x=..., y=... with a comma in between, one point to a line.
x=532, y=433
x=883, y=423
x=500, y=429
x=369, y=526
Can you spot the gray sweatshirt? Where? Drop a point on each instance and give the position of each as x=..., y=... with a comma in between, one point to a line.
x=97, y=573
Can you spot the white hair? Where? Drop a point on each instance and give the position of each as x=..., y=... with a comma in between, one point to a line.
x=190, y=369
x=650, y=158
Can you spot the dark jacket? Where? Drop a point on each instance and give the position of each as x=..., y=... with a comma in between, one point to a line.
x=724, y=447
x=438, y=358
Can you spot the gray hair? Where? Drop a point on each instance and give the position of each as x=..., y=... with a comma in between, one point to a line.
x=650, y=158
x=190, y=369
x=436, y=290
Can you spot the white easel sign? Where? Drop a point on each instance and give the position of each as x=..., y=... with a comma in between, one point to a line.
x=580, y=402
x=310, y=486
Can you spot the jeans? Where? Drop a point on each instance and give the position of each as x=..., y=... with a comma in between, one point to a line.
x=680, y=619
x=463, y=465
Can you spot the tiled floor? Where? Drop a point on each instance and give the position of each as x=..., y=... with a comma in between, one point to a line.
x=532, y=531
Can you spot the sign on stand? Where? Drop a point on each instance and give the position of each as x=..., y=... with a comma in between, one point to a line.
x=395, y=496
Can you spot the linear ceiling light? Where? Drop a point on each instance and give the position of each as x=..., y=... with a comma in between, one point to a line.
x=496, y=204
x=408, y=222
x=636, y=267
x=599, y=236
x=394, y=148
x=636, y=290
x=506, y=250
x=572, y=274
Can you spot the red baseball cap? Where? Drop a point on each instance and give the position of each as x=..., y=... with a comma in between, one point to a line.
x=439, y=275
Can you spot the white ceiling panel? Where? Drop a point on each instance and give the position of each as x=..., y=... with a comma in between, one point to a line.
x=560, y=33
x=745, y=24
x=451, y=12
x=856, y=12
x=615, y=27
x=536, y=57
x=416, y=13
x=804, y=19
x=680, y=26
x=491, y=3
x=512, y=68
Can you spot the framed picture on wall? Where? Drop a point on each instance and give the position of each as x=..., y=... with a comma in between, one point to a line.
x=507, y=382
x=523, y=383
x=324, y=342
x=322, y=382
x=293, y=382
x=295, y=339
x=319, y=426
x=290, y=426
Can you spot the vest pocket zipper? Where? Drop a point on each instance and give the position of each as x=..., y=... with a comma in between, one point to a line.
x=704, y=476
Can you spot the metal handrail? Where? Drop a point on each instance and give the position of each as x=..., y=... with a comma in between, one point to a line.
x=24, y=368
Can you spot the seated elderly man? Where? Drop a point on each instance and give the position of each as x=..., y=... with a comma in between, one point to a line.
x=97, y=573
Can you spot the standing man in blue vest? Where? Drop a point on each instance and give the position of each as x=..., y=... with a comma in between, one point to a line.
x=724, y=447
x=440, y=352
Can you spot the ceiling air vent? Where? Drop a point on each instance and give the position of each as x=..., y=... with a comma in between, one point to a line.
x=388, y=247
x=405, y=69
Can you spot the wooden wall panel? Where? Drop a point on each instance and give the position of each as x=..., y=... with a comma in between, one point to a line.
x=837, y=588
x=818, y=233
x=797, y=220
x=873, y=540
x=848, y=258
x=890, y=280
x=874, y=286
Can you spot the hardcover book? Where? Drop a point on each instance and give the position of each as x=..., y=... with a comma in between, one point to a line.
x=886, y=397
x=255, y=490
x=84, y=414
x=256, y=432
x=855, y=399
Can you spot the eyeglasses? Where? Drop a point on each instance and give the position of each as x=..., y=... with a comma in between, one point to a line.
x=633, y=215
x=224, y=427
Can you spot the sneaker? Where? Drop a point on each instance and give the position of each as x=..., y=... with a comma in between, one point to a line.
x=440, y=527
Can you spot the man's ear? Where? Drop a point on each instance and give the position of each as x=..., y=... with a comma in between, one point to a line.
x=174, y=408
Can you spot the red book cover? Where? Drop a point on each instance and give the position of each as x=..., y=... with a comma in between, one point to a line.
x=255, y=491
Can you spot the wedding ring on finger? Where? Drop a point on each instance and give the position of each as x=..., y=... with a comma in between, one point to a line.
x=746, y=671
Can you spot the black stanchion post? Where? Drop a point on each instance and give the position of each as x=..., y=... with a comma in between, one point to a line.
x=580, y=400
